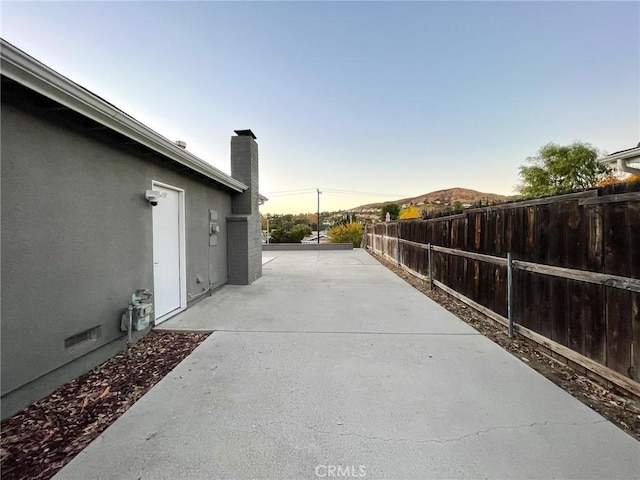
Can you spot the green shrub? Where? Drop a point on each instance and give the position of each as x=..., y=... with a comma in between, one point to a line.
x=346, y=233
x=295, y=235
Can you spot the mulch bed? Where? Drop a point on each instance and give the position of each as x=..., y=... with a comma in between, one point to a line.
x=41, y=439
x=616, y=405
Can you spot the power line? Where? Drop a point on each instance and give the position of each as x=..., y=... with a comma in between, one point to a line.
x=304, y=191
x=353, y=192
x=300, y=190
x=273, y=195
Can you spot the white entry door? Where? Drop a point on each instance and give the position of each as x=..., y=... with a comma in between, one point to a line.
x=168, y=253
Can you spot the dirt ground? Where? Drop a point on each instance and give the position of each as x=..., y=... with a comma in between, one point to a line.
x=41, y=439
x=617, y=406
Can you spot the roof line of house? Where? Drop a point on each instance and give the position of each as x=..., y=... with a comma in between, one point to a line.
x=26, y=70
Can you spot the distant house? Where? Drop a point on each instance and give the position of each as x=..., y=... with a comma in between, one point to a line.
x=625, y=160
x=80, y=232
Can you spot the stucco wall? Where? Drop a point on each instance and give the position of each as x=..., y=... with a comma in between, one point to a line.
x=76, y=241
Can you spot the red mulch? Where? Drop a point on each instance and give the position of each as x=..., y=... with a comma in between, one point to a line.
x=44, y=437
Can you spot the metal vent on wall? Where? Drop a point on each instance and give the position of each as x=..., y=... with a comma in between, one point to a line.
x=91, y=334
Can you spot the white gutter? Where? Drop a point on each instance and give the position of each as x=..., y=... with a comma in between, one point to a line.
x=622, y=159
x=27, y=71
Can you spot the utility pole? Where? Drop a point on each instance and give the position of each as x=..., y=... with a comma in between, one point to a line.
x=319, y=192
x=268, y=228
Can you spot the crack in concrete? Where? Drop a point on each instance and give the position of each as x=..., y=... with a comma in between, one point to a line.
x=449, y=440
x=335, y=332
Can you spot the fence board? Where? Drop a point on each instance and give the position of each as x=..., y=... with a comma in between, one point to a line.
x=634, y=259
x=618, y=312
x=575, y=315
x=499, y=234
x=576, y=256
x=539, y=305
x=624, y=283
x=476, y=280
x=478, y=256
x=558, y=299
x=530, y=232
x=635, y=346
x=595, y=323
x=466, y=285
x=595, y=248
x=617, y=239
x=617, y=259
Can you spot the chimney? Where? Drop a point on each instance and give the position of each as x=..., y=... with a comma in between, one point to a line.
x=244, y=226
x=244, y=167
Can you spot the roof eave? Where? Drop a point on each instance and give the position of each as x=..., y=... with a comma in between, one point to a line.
x=29, y=72
x=622, y=159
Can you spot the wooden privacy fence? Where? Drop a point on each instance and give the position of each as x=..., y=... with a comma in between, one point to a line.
x=563, y=271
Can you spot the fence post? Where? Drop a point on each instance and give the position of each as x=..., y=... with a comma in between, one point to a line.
x=510, y=293
x=430, y=269
x=398, y=243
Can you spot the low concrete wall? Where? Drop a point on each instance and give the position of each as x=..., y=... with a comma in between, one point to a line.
x=306, y=246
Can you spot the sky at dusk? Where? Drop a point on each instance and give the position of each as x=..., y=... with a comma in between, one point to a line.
x=380, y=99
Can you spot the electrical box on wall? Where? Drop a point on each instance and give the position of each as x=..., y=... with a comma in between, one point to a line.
x=214, y=228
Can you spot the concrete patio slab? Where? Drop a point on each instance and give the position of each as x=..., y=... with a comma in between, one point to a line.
x=381, y=382
x=320, y=291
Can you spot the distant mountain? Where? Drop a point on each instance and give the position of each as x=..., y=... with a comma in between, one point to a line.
x=443, y=198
